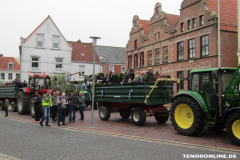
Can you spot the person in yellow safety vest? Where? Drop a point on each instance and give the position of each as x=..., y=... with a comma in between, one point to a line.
x=46, y=103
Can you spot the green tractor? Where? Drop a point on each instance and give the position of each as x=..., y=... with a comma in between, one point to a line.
x=213, y=102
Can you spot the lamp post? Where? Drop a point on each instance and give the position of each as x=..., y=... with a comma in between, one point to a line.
x=219, y=40
x=94, y=43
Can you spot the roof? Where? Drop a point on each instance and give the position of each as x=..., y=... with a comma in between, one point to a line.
x=210, y=69
x=228, y=10
x=112, y=55
x=172, y=19
x=145, y=25
x=83, y=52
x=4, y=63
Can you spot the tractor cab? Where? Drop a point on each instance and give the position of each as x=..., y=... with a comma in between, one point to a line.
x=39, y=82
x=206, y=82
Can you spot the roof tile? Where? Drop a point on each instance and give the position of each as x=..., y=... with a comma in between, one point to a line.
x=145, y=25
x=4, y=63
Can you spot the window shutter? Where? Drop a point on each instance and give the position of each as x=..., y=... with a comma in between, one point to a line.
x=56, y=39
x=40, y=37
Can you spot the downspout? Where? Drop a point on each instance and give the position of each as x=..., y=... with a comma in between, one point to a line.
x=219, y=65
x=238, y=53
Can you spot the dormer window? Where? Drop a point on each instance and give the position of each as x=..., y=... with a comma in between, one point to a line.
x=40, y=40
x=135, y=44
x=56, y=41
x=100, y=57
x=10, y=65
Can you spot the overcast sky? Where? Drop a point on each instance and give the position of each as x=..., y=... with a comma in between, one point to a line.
x=77, y=19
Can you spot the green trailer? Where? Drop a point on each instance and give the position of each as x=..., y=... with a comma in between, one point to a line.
x=136, y=99
x=9, y=92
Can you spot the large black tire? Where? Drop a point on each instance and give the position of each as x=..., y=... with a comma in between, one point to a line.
x=233, y=127
x=161, y=118
x=186, y=116
x=217, y=127
x=23, y=102
x=104, y=113
x=138, y=116
x=125, y=113
x=14, y=106
x=31, y=108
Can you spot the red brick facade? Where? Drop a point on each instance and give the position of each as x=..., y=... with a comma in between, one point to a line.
x=165, y=30
x=117, y=68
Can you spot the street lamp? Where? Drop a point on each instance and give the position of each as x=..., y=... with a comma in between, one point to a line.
x=94, y=43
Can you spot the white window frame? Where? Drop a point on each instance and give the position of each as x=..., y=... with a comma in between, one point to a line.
x=53, y=42
x=40, y=41
x=17, y=76
x=81, y=71
x=3, y=76
x=11, y=76
x=122, y=69
x=58, y=63
x=34, y=61
x=12, y=65
x=113, y=68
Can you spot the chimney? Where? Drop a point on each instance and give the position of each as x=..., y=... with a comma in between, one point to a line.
x=1, y=55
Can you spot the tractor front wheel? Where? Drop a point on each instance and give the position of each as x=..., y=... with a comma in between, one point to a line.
x=233, y=127
x=31, y=108
x=186, y=116
x=23, y=102
x=14, y=106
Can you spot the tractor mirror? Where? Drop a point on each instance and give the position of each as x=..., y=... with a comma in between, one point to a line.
x=214, y=74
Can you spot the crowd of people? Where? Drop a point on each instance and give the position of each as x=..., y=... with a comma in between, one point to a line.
x=16, y=82
x=58, y=103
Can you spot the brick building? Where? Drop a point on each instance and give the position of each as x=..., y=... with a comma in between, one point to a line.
x=176, y=44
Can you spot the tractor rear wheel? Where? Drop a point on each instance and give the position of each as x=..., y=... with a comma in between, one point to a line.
x=125, y=113
x=104, y=113
x=138, y=116
x=186, y=116
x=23, y=102
x=31, y=108
x=14, y=106
x=161, y=118
x=233, y=127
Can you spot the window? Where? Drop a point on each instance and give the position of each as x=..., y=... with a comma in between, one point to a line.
x=135, y=44
x=129, y=62
x=9, y=76
x=157, y=56
x=17, y=76
x=157, y=36
x=180, y=86
x=81, y=69
x=135, y=60
x=142, y=59
x=165, y=54
x=123, y=69
x=10, y=65
x=40, y=38
x=204, y=46
x=149, y=57
x=191, y=48
x=82, y=54
x=189, y=24
x=201, y=20
x=182, y=27
x=193, y=23
x=100, y=57
x=111, y=68
x=2, y=75
x=34, y=66
x=56, y=40
x=59, y=64
x=180, y=50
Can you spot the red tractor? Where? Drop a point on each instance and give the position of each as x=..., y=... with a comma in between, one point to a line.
x=37, y=82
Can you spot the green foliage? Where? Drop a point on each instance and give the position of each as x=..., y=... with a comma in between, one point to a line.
x=119, y=77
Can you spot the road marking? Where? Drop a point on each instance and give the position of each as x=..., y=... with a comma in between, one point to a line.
x=6, y=157
x=188, y=145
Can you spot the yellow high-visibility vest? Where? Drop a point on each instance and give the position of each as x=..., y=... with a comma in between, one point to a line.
x=44, y=103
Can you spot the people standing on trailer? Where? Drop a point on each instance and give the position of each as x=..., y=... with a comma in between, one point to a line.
x=81, y=106
x=54, y=106
x=62, y=102
x=149, y=75
x=37, y=106
x=46, y=102
x=111, y=77
x=157, y=75
x=129, y=75
x=6, y=105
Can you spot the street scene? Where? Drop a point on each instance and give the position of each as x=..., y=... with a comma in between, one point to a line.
x=168, y=89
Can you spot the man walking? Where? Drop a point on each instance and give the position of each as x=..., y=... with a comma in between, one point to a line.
x=81, y=106
x=54, y=106
x=37, y=106
x=74, y=100
x=62, y=102
x=6, y=105
x=46, y=102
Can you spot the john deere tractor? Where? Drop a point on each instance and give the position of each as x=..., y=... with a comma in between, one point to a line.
x=213, y=102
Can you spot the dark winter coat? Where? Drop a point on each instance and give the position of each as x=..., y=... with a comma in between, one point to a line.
x=74, y=100
x=127, y=77
x=38, y=101
x=111, y=78
x=149, y=76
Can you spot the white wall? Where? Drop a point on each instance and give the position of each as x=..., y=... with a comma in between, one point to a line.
x=88, y=70
x=46, y=54
x=6, y=80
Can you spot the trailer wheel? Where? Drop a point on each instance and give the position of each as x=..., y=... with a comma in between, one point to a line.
x=233, y=127
x=31, y=108
x=138, y=116
x=14, y=106
x=3, y=107
x=125, y=113
x=186, y=116
x=161, y=118
x=23, y=103
x=104, y=113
